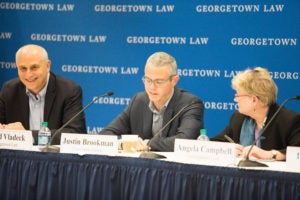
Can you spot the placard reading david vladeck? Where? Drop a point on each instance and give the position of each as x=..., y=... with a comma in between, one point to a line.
x=16, y=139
x=89, y=144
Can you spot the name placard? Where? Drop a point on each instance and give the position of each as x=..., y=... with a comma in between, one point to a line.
x=216, y=152
x=293, y=158
x=16, y=139
x=89, y=144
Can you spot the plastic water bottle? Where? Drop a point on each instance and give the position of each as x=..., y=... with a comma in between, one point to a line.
x=44, y=135
x=203, y=136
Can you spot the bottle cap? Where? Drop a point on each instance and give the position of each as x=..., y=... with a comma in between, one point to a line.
x=44, y=123
x=203, y=131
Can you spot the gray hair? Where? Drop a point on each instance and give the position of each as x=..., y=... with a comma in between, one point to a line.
x=33, y=48
x=162, y=59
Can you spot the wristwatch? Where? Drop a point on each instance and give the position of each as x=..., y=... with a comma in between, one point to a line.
x=274, y=154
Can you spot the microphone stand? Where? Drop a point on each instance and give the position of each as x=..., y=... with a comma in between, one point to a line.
x=246, y=162
x=50, y=147
x=152, y=155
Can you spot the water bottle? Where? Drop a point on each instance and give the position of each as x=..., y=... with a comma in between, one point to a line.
x=203, y=135
x=44, y=135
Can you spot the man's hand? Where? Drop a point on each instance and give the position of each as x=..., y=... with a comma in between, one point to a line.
x=134, y=146
x=12, y=126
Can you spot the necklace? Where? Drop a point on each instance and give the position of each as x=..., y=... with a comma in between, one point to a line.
x=263, y=123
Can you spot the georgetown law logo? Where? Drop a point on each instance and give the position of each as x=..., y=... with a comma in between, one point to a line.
x=168, y=40
x=24, y=6
x=100, y=69
x=235, y=8
x=53, y=37
x=121, y=8
x=5, y=35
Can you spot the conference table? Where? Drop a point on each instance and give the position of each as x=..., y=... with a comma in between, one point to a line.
x=53, y=176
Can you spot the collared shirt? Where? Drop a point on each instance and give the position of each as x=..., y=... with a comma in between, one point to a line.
x=158, y=116
x=36, y=107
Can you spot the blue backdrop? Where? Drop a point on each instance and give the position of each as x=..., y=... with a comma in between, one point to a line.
x=103, y=46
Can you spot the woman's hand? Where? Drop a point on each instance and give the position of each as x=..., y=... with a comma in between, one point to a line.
x=238, y=149
x=259, y=153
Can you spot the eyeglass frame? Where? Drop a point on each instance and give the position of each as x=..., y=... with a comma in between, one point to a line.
x=156, y=82
x=244, y=95
x=241, y=95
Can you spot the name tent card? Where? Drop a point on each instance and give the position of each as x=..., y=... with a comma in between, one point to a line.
x=293, y=158
x=16, y=139
x=89, y=144
x=216, y=152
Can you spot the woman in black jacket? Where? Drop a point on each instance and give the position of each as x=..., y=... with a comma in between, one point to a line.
x=256, y=95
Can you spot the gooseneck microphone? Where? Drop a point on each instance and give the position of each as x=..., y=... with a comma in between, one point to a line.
x=246, y=162
x=50, y=147
x=153, y=155
x=159, y=132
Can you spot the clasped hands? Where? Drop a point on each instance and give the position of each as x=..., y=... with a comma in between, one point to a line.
x=137, y=145
x=12, y=126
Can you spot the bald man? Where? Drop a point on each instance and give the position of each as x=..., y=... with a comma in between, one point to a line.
x=39, y=95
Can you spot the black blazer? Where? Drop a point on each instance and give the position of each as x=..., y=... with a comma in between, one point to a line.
x=137, y=119
x=283, y=131
x=63, y=100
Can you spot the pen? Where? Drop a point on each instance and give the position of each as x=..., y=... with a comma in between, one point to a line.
x=229, y=139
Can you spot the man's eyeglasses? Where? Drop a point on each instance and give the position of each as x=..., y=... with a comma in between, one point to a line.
x=157, y=82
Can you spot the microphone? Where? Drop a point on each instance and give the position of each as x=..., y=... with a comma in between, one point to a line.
x=158, y=133
x=246, y=162
x=51, y=148
x=153, y=155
